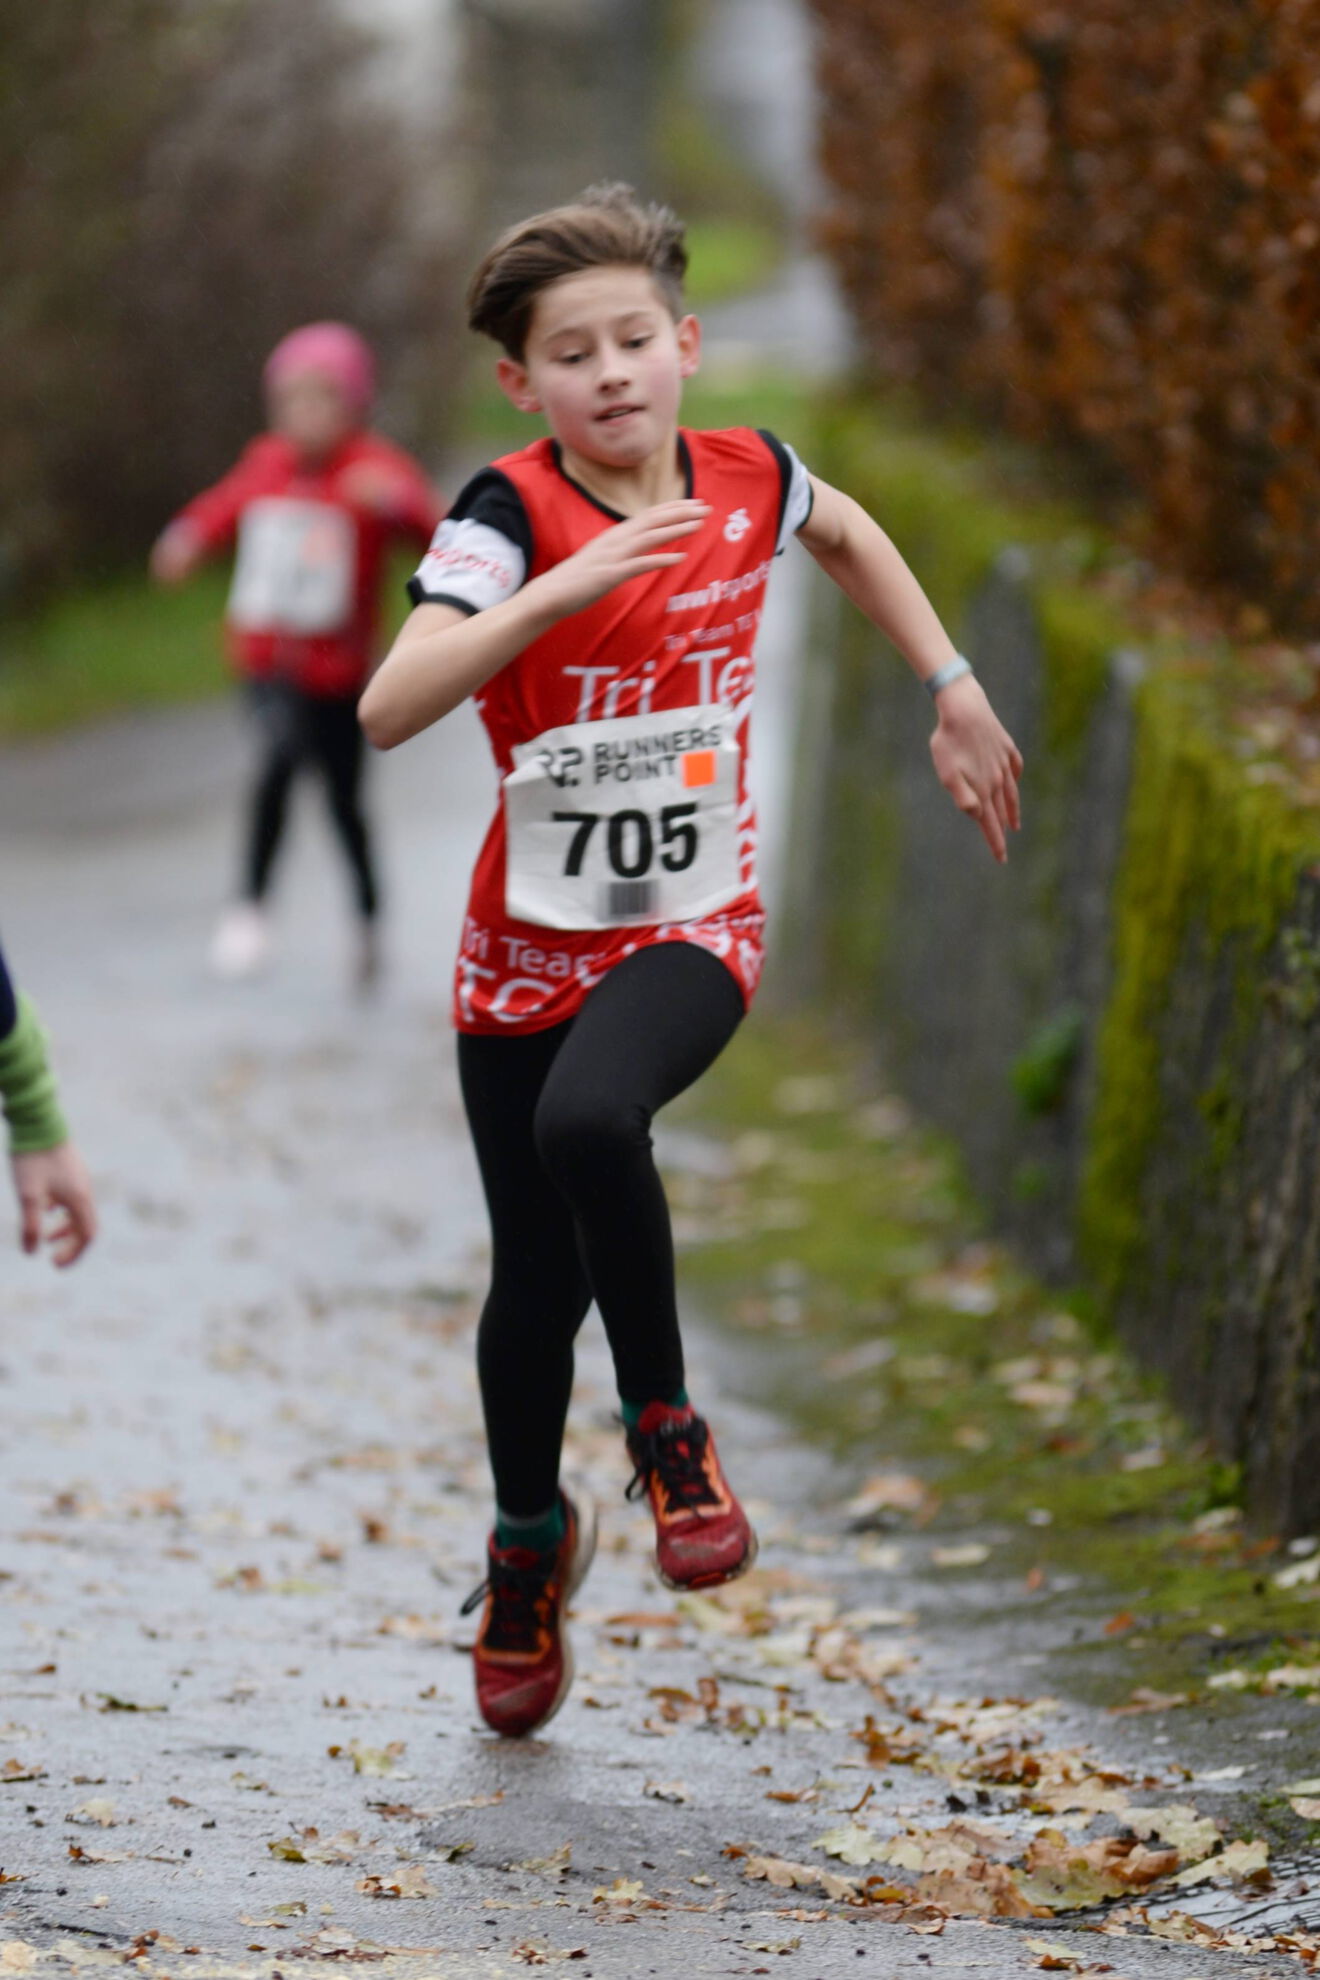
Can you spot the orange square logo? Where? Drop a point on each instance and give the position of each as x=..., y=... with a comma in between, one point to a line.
x=698, y=768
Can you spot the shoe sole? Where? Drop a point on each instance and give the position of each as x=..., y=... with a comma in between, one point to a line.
x=710, y=1580
x=583, y=1555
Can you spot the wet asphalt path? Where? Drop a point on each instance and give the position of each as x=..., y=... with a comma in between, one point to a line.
x=242, y=1487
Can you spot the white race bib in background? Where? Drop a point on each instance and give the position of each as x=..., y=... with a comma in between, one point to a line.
x=295, y=568
x=634, y=819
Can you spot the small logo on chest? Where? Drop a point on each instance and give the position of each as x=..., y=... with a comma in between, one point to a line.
x=737, y=526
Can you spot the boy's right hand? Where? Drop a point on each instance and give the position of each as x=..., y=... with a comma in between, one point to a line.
x=645, y=542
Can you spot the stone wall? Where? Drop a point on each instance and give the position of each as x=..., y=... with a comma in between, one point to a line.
x=1120, y=1027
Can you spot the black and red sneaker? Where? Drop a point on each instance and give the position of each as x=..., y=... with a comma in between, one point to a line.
x=702, y=1534
x=522, y=1659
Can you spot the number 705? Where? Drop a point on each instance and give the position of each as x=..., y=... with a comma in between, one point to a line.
x=630, y=843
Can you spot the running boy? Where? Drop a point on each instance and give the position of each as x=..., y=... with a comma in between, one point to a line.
x=598, y=594
x=313, y=505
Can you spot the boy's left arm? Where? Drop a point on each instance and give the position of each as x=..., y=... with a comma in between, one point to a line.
x=975, y=758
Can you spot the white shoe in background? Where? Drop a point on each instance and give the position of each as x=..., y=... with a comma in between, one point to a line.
x=368, y=961
x=240, y=945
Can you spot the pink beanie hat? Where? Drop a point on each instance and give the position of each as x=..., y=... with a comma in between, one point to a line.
x=333, y=349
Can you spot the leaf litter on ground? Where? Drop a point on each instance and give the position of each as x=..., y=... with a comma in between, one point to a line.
x=1027, y=1868
x=408, y=1881
x=1034, y=1861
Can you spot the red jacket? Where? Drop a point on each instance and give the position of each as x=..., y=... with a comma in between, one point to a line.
x=305, y=598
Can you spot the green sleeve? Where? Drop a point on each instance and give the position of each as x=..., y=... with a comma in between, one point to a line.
x=27, y=1086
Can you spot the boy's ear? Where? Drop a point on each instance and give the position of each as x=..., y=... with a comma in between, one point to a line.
x=514, y=384
x=689, y=346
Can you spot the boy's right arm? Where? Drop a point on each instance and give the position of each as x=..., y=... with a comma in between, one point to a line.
x=442, y=654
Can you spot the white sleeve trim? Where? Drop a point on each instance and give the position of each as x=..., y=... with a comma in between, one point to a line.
x=471, y=564
x=797, y=506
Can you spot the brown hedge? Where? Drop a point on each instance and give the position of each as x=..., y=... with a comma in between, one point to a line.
x=1101, y=224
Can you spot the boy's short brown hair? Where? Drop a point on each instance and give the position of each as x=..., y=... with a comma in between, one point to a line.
x=606, y=227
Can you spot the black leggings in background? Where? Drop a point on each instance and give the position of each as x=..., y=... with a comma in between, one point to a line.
x=561, y=1121
x=299, y=730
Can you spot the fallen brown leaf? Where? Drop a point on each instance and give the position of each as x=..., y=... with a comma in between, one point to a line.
x=408, y=1882
x=887, y=1491
x=1143, y=1699
x=1055, y=1958
x=557, y=1864
x=310, y=1848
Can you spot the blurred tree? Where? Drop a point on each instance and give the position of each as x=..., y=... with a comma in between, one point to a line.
x=179, y=185
x=563, y=91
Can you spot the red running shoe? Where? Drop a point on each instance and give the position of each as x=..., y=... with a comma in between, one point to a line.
x=702, y=1534
x=522, y=1660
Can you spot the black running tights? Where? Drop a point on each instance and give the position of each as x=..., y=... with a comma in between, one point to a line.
x=298, y=729
x=561, y=1121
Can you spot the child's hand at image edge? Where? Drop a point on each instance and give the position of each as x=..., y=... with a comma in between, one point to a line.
x=49, y=1180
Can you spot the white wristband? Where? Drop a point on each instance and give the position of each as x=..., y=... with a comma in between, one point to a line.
x=952, y=670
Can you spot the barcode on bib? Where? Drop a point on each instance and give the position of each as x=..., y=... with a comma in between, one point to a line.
x=628, y=900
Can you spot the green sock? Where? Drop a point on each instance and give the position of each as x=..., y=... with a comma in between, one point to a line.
x=632, y=1412
x=540, y=1533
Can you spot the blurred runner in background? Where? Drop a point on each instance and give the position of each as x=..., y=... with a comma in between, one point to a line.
x=49, y=1174
x=312, y=506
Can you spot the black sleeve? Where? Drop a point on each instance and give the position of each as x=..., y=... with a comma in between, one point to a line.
x=481, y=552
x=795, y=494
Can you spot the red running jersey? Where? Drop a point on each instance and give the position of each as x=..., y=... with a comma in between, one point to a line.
x=307, y=576
x=620, y=735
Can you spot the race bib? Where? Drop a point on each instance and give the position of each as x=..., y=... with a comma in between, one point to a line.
x=295, y=566
x=629, y=820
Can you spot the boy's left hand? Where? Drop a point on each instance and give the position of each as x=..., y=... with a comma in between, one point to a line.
x=978, y=762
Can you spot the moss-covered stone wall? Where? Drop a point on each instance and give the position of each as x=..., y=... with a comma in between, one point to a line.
x=1121, y=1027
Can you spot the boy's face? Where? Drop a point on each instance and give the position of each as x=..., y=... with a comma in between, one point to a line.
x=605, y=362
x=310, y=410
